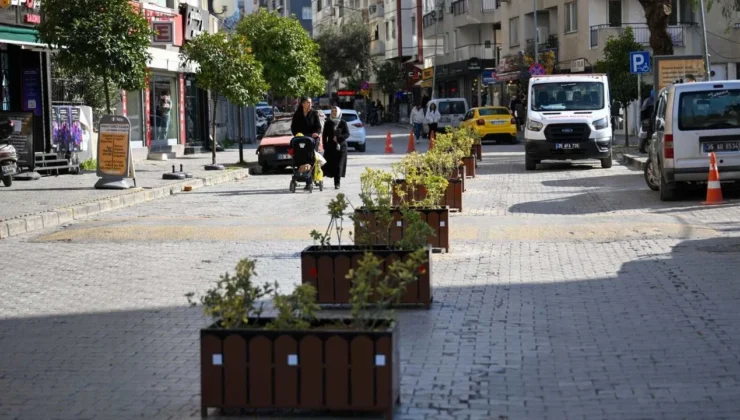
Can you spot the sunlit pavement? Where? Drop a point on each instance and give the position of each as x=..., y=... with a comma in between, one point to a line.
x=569, y=292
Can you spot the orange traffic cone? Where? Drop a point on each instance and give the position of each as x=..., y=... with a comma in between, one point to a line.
x=714, y=189
x=411, y=147
x=388, y=143
x=431, y=140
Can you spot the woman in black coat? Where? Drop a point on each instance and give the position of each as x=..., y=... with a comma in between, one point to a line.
x=306, y=121
x=334, y=138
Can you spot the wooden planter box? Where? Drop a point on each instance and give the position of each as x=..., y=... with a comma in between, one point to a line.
x=460, y=174
x=469, y=162
x=325, y=368
x=452, y=197
x=366, y=227
x=327, y=269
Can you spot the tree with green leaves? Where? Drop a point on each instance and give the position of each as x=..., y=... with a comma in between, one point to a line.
x=81, y=88
x=227, y=67
x=616, y=65
x=389, y=77
x=288, y=54
x=104, y=38
x=345, y=50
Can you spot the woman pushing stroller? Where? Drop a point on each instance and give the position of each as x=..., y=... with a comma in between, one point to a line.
x=306, y=122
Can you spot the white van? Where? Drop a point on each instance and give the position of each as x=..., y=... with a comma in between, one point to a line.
x=451, y=112
x=693, y=120
x=568, y=119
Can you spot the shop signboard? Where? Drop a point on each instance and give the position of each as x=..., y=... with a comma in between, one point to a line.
x=114, y=146
x=669, y=69
x=427, y=73
x=195, y=21
x=22, y=137
x=488, y=76
x=163, y=33
x=31, y=93
x=66, y=129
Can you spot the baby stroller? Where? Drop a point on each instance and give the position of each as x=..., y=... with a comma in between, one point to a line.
x=306, y=164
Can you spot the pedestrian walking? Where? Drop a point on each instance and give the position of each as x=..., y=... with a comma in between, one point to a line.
x=417, y=121
x=306, y=122
x=432, y=118
x=334, y=138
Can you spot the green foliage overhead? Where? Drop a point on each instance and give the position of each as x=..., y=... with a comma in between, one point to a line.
x=389, y=77
x=105, y=38
x=616, y=65
x=345, y=50
x=227, y=67
x=287, y=52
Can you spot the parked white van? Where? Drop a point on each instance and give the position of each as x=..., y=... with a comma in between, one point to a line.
x=451, y=112
x=568, y=119
x=691, y=121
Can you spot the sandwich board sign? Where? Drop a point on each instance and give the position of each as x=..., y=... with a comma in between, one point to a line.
x=114, y=153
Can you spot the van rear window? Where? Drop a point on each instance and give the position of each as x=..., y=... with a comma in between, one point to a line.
x=451, y=107
x=709, y=110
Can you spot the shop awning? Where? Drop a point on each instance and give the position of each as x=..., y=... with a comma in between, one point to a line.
x=19, y=36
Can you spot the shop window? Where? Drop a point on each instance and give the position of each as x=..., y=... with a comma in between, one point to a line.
x=134, y=112
x=571, y=17
x=514, y=31
x=164, y=118
x=4, y=82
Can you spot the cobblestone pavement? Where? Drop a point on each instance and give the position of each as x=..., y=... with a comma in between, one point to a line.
x=571, y=292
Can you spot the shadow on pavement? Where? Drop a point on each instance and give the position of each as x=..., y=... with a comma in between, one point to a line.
x=657, y=339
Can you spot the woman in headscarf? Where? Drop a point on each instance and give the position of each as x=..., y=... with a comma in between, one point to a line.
x=334, y=138
x=306, y=121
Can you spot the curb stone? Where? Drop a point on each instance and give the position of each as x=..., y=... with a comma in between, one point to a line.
x=635, y=162
x=33, y=222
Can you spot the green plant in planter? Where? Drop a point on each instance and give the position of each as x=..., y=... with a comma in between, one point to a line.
x=443, y=160
x=417, y=173
x=337, y=210
x=296, y=311
x=463, y=139
x=376, y=195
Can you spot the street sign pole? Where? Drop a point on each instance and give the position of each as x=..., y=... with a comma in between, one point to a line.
x=639, y=101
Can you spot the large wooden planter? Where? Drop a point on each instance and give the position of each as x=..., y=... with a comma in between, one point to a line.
x=367, y=229
x=452, y=197
x=460, y=173
x=325, y=368
x=327, y=269
x=469, y=162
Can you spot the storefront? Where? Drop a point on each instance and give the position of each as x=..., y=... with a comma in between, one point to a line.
x=25, y=74
x=195, y=22
x=462, y=79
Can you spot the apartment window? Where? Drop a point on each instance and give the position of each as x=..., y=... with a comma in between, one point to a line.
x=413, y=25
x=615, y=13
x=514, y=31
x=393, y=28
x=306, y=13
x=571, y=17
x=376, y=33
x=318, y=6
x=387, y=31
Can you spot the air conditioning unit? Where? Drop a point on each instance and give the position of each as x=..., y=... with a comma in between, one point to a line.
x=542, y=34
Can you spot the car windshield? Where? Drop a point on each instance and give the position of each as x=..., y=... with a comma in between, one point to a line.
x=451, y=107
x=265, y=110
x=568, y=96
x=709, y=110
x=279, y=128
x=492, y=111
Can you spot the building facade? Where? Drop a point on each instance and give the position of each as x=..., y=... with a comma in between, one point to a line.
x=301, y=9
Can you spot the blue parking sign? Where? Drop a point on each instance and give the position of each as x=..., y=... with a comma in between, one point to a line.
x=639, y=62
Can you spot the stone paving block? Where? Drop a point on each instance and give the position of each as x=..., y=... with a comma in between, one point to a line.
x=65, y=215
x=15, y=226
x=34, y=222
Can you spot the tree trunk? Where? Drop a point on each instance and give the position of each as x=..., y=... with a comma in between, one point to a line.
x=657, y=21
x=241, y=138
x=107, y=91
x=213, y=128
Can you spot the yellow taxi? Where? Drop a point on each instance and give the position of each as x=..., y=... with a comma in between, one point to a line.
x=492, y=123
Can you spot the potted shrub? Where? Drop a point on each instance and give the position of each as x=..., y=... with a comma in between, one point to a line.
x=463, y=140
x=379, y=222
x=326, y=266
x=446, y=161
x=296, y=360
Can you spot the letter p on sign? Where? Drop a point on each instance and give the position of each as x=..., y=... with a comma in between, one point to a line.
x=639, y=62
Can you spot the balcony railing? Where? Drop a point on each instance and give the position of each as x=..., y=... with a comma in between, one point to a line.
x=641, y=31
x=550, y=42
x=474, y=51
x=490, y=5
x=376, y=11
x=432, y=17
x=459, y=7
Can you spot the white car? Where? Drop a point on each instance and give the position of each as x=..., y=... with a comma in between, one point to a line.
x=357, y=133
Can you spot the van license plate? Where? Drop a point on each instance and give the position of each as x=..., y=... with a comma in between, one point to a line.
x=719, y=147
x=567, y=146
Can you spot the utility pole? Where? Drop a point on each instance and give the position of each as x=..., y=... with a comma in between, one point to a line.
x=536, y=41
x=438, y=10
x=704, y=40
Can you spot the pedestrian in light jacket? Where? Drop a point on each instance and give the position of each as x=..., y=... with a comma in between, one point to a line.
x=432, y=118
x=417, y=121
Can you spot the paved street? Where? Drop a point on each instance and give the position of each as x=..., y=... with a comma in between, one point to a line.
x=571, y=292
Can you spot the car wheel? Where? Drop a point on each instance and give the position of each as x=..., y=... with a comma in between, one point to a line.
x=650, y=176
x=530, y=164
x=606, y=163
x=667, y=191
x=361, y=148
x=8, y=180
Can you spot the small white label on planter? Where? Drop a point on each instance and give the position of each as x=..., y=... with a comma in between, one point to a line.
x=292, y=360
x=218, y=359
x=380, y=360
x=442, y=224
x=399, y=223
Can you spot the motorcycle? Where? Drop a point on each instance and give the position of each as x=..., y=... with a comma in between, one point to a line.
x=8, y=155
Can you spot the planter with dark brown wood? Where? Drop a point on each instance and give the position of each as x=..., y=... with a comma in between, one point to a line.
x=326, y=269
x=330, y=367
x=460, y=174
x=469, y=162
x=452, y=197
x=367, y=231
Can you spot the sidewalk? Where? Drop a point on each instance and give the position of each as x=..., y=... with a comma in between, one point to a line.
x=55, y=200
